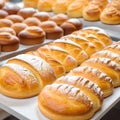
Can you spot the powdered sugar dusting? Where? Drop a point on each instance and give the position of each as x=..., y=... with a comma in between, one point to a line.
x=26, y=74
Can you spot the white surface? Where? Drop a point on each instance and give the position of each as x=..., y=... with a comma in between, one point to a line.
x=27, y=109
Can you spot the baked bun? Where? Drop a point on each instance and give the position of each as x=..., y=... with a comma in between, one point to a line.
x=11, y=8
x=30, y=3
x=32, y=35
x=25, y=76
x=93, y=10
x=26, y=12
x=57, y=66
x=42, y=16
x=59, y=18
x=111, y=14
x=8, y=30
x=68, y=103
x=71, y=25
x=5, y=23
x=76, y=8
x=72, y=48
x=60, y=6
x=52, y=30
x=61, y=55
x=3, y=14
x=15, y=18
x=8, y=42
x=18, y=27
x=45, y=5
x=32, y=21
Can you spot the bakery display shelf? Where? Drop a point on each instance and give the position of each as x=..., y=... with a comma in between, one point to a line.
x=27, y=109
x=22, y=49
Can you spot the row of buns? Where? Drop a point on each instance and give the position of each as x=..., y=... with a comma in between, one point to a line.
x=79, y=94
x=91, y=10
x=29, y=26
x=26, y=74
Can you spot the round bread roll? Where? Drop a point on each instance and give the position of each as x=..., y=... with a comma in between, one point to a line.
x=32, y=35
x=32, y=21
x=18, y=27
x=59, y=18
x=5, y=23
x=15, y=18
x=42, y=16
x=11, y=8
x=3, y=14
x=8, y=42
x=52, y=30
x=8, y=29
x=71, y=25
x=26, y=12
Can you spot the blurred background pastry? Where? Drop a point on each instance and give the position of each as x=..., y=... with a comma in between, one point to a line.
x=26, y=12
x=76, y=8
x=8, y=30
x=30, y=3
x=45, y=5
x=93, y=10
x=59, y=18
x=61, y=6
x=111, y=14
x=42, y=16
x=5, y=23
x=3, y=14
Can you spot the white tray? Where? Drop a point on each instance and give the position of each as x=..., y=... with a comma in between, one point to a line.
x=27, y=109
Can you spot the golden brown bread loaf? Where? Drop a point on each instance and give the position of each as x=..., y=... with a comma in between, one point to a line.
x=72, y=48
x=18, y=27
x=60, y=6
x=68, y=103
x=45, y=5
x=32, y=35
x=76, y=8
x=32, y=21
x=15, y=18
x=71, y=25
x=30, y=3
x=57, y=66
x=8, y=42
x=108, y=66
x=111, y=14
x=61, y=55
x=26, y=12
x=52, y=30
x=96, y=76
x=24, y=76
x=2, y=3
x=42, y=16
x=93, y=10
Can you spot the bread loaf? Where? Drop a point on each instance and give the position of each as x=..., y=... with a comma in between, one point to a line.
x=24, y=76
x=30, y=3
